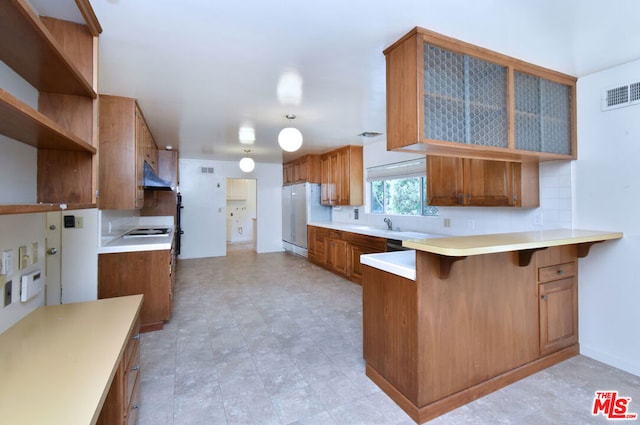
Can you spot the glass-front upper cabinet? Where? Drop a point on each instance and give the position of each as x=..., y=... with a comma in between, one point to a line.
x=542, y=118
x=447, y=97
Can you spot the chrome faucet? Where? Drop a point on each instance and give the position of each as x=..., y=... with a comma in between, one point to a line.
x=389, y=224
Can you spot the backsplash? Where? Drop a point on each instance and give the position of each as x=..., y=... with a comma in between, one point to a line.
x=555, y=211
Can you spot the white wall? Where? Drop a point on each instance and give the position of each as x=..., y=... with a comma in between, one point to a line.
x=204, y=218
x=607, y=197
x=18, y=230
x=555, y=204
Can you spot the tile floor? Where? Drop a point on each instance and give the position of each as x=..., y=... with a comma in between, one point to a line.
x=271, y=339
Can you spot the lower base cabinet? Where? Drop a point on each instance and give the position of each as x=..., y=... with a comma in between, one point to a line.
x=123, y=400
x=150, y=273
x=340, y=251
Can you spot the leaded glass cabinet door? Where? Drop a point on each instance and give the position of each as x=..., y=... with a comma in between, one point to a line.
x=465, y=99
x=542, y=116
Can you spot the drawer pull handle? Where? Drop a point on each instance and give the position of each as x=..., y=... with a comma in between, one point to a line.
x=544, y=297
x=136, y=367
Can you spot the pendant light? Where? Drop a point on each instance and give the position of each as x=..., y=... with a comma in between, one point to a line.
x=246, y=163
x=290, y=138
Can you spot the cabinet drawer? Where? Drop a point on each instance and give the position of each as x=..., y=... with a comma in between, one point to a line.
x=133, y=344
x=131, y=417
x=131, y=376
x=555, y=272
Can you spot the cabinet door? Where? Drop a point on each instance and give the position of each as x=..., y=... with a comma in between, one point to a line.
x=139, y=162
x=342, y=176
x=444, y=181
x=488, y=183
x=287, y=173
x=300, y=171
x=558, y=315
x=336, y=255
x=465, y=99
x=543, y=115
x=327, y=185
x=356, y=270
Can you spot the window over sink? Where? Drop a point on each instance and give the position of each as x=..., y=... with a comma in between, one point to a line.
x=398, y=189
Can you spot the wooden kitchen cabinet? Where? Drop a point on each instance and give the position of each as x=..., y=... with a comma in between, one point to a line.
x=122, y=404
x=163, y=202
x=336, y=254
x=151, y=273
x=305, y=169
x=340, y=251
x=558, y=298
x=125, y=144
x=476, y=182
x=450, y=98
x=60, y=59
x=359, y=245
x=342, y=177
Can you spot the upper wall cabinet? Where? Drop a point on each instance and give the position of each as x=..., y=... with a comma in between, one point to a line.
x=305, y=169
x=341, y=177
x=125, y=144
x=60, y=59
x=451, y=98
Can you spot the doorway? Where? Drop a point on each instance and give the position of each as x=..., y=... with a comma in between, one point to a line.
x=241, y=215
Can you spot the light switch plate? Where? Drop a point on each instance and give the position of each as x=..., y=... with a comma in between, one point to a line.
x=6, y=262
x=23, y=257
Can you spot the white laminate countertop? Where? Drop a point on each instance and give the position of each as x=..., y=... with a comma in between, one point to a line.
x=375, y=231
x=152, y=243
x=460, y=246
x=57, y=364
x=401, y=263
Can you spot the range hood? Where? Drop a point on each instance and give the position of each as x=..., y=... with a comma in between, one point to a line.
x=152, y=181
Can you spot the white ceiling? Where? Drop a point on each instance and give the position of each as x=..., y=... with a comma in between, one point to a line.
x=202, y=68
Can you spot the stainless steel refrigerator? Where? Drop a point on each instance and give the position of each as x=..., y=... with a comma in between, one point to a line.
x=300, y=206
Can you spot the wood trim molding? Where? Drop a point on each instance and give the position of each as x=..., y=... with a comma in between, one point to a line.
x=90, y=17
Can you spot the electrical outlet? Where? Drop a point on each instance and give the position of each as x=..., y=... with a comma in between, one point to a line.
x=471, y=224
x=447, y=222
x=538, y=219
x=23, y=257
x=79, y=222
x=6, y=290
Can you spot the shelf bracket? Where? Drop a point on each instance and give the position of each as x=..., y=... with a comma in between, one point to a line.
x=525, y=255
x=445, y=265
x=583, y=248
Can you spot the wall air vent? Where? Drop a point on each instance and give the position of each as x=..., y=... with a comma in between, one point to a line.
x=206, y=170
x=621, y=96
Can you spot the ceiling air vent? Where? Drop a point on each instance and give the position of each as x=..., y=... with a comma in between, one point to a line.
x=621, y=96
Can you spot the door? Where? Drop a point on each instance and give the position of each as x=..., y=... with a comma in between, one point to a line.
x=72, y=257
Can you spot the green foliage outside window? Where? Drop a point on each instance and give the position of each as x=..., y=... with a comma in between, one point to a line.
x=398, y=196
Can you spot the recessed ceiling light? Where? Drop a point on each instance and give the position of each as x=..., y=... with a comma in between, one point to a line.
x=168, y=147
x=369, y=134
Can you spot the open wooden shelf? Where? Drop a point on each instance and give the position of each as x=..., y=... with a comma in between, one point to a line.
x=6, y=209
x=23, y=123
x=27, y=46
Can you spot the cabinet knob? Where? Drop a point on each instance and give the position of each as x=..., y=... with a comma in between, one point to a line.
x=52, y=251
x=137, y=336
x=136, y=367
x=135, y=406
x=560, y=271
x=544, y=297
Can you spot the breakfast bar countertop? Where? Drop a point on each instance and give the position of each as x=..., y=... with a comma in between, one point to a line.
x=461, y=246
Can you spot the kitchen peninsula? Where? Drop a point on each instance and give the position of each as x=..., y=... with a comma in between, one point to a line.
x=482, y=312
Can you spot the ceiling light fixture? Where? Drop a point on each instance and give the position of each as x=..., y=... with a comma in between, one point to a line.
x=247, y=134
x=290, y=138
x=246, y=163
